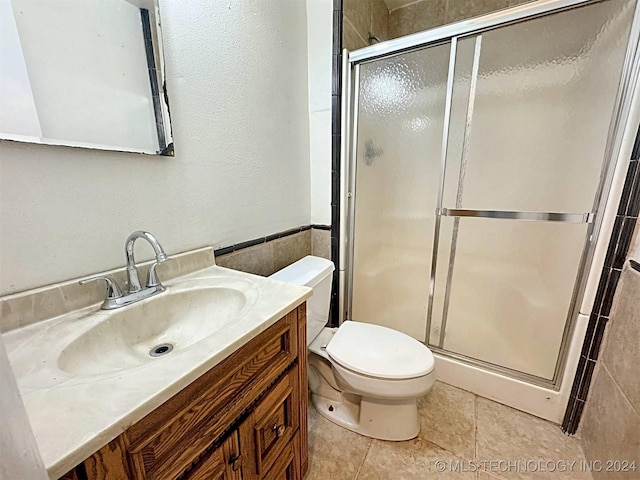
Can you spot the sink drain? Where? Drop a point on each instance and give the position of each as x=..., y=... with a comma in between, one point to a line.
x=160, y=350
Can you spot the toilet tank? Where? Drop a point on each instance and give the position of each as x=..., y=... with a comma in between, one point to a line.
x=316, y=273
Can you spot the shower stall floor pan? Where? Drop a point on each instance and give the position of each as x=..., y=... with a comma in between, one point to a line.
x=539, y=401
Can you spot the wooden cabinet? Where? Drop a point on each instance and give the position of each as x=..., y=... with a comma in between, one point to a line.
x=222, y=463
x=270, y=427
x=246, y=418
x=286, y=467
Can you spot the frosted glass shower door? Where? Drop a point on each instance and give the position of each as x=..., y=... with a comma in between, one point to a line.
x=400, y=118
x=531, y=108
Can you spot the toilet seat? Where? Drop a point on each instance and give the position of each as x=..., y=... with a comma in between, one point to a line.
x=379, y=352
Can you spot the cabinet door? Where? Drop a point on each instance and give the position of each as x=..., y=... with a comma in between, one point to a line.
x=286, y=466
x=167, y=441
x=221, y=463
x=271, y=426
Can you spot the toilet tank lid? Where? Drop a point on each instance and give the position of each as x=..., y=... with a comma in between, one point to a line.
x=379, y=351
x=308, y=271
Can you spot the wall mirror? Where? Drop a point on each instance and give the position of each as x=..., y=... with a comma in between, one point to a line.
x=84, y=73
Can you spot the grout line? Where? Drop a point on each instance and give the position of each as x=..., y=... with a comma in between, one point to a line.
x=613, y=379
x=475, y=432
x=364, y=459
x=406, y=5
x=371, y=21
x=430, y=442
x=344, y=17
x=475, y=421
x=490, y=474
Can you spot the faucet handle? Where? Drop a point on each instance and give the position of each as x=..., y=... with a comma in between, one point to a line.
x=113, y=290
x=152, y=277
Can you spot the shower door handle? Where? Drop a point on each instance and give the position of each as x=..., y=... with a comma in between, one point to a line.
x=513, y=215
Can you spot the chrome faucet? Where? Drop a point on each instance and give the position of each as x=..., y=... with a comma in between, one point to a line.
x=135, y=292
x=133, y=282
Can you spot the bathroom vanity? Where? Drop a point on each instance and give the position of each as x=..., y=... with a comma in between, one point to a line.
x=226, y=400
x=246, y=418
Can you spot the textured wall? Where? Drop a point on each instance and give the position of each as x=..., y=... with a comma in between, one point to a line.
x=635, y=245
x=237, y=82
x=426, y=14
x=610, y=427
x=362, y=17
x=269, y=257
x=319, y=26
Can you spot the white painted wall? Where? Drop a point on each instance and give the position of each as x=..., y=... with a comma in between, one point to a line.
x=237, y=81
x=320, y=26
x=18, y=115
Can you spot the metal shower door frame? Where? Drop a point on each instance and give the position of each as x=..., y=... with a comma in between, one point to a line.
x=452, y=33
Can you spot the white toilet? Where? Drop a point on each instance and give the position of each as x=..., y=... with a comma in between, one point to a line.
x=364, y=377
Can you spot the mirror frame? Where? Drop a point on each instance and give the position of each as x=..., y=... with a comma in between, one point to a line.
x=154, y=51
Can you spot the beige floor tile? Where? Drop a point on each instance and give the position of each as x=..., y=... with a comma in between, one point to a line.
x=335, y=453
x=412, y=460
x=459, y=429
x=447, y=418
x=506, y=434
x=486, y=476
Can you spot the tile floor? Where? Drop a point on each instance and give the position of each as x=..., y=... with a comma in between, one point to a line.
x=457, y=427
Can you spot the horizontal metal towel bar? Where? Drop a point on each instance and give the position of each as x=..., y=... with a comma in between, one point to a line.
x=504, y=214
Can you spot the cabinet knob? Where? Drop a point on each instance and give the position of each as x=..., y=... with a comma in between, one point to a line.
x=236, y=462
x=279, y=430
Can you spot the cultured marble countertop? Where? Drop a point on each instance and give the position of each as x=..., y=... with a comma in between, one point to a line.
x=73, y=416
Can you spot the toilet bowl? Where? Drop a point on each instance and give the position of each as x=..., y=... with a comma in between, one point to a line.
x=364, y=377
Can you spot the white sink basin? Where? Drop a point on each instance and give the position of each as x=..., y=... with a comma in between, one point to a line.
x=175, y=320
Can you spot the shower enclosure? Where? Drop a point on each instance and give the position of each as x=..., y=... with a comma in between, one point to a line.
x=477, y=158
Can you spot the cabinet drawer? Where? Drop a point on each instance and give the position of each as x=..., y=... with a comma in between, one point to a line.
x=271, y=426
x=188, y=423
